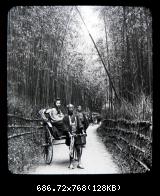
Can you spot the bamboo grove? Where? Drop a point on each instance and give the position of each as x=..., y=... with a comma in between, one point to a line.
x=43, y=63
x=127, y=51
x=39, y=58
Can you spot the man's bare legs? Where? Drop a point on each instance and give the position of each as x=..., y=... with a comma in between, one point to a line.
x=79, y=156
x=71, y=159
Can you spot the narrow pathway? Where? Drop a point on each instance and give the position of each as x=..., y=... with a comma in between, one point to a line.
x=96, y=159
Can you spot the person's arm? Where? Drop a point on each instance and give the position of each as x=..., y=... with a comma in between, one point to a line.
x=86, y=124
x=41, y=112
x=66, y=124
x=61, y=115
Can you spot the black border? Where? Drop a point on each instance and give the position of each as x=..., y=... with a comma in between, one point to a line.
x=129, y=183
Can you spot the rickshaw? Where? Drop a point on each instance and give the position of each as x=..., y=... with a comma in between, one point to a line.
x=48, y=146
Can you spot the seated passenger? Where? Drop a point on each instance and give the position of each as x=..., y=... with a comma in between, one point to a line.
x=54, y=119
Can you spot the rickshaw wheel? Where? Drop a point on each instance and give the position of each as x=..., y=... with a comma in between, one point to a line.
x=48, y=149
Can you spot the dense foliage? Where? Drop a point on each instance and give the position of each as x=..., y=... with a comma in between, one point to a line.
x=127, y=51
x=44, y=60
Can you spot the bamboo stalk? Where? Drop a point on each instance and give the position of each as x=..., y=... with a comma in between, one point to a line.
x=112, y=85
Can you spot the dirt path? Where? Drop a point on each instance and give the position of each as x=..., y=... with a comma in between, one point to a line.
x=96, y=159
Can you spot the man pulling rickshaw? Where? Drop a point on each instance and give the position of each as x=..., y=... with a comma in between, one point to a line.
x=76, y=125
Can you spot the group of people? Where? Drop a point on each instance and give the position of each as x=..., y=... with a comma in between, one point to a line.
x=73, y=125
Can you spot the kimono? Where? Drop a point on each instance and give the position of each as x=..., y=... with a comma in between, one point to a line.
x=56, y=118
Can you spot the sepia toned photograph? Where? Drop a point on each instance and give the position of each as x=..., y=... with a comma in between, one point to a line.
x=79, y=90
